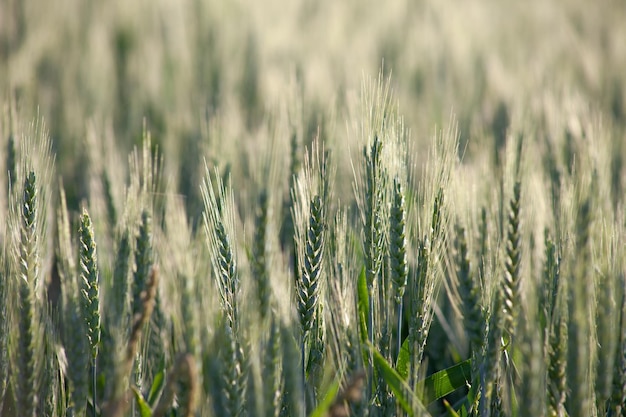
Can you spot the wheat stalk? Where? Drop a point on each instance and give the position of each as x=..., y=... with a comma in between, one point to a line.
x=579, y=371
x=397, y=252
x=219, y=229
x=309, y=283
x=473, y=316
x=272, y=381
x=119, y=296
x=11, y=162
x=557, y=360
x=119, y=401
x=76, y=347
x=5, y=323
x=512, y=263
x=423, y=285
x=617, y=402
x=25, y=339
x=259, y=258
x=292, y=374
x=491, y=379
x=89, y=291
x=143, y=261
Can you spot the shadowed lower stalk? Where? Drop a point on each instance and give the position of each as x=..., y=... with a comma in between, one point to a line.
x=271, y=371
x=605, y=332
x=490, y=367
x=118, y=314
x=553, y=319
x=580, y=331
x=294, y=388
x=25, y=392
x=468, y=289
x=422, y=287
x=120, y=399
x=617, y=406
x=89, y=293
x=557, y=361
x=182, y=382
x=397, y=254
x=121, y=287
x=4, y=325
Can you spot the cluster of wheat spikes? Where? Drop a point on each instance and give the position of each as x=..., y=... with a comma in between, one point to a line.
x=437, y=288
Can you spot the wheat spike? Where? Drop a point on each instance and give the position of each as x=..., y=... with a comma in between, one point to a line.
x=512, y=263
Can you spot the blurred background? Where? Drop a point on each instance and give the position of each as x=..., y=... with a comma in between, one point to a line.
x=194, y=72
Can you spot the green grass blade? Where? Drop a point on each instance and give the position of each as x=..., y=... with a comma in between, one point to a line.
x=363, y=304
x=407, y=399
x=445, y=382
x=439, y=384
x=144, y=408
x=449, y=410
x=157, y=387
x=404, y=360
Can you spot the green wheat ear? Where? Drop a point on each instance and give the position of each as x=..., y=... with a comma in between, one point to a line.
x=143, y=260
x=557, y=361
x=89, y=282
x=375, y=181
x=512, y=263
x=397, y=253
x=469, y=291
x=397, y=238
x=89, y=290
x=219, y=229
x=309, y=282
x=25, y=364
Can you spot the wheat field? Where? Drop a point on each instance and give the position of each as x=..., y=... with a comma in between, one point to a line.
x=329, y=208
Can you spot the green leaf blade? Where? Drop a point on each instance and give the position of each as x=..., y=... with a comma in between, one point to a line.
x=144, y=408
x=445, y=382
x=363, y=304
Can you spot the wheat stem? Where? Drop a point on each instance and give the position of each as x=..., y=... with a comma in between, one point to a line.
x=618, y=392
x=120, y=400
x=259, y=255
